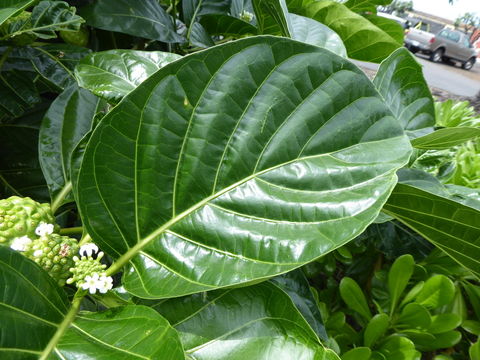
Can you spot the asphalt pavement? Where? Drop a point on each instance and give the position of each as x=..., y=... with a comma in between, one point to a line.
x=448, y=77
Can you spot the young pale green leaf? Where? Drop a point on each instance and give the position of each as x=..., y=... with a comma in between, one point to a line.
x=144, y=18
x=390, y=27
x=359, y=353
x=353, y=296
x=296, y=285
x=11, y=8
x=228, y=26
x=20, y=172
x=47, y=17
x=31, y=306
x=400, y=81
x=68, y=119
x=446, y=138
x=255, y=322
x=113, y=74
x=272, y=17
x=398, y=278
x=472, y=326
x=415, y=316
x=438, y=291
x=375, y=329
x=277, y=153
x=312, y=32
x=448, y=221
x=125, y=332
x=474, y=351
x=363, y=40
x=444, y=322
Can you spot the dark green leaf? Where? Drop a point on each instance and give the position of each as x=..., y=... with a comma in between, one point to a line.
x=199, y=37
x=47, y=17
x=31, y=306
x=272, y=17
x=448, y=221
x=363, y=40
x=398, y=278
x=125, y=332
x=446, y=138
x=225, y=25
x=375, y=329
x=67, y=120
x=278, y=153
x=353, y=296
x=144, y=18
x=312, y=32
x=11, y=8
x=113, y=74
x=19, y=93
x=193, y=9
x=255, y=322
x=400, y=81
x=296, y=285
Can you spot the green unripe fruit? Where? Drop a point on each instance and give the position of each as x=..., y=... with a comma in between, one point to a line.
x=79, y=38
x=54, y=253
x=21, y=216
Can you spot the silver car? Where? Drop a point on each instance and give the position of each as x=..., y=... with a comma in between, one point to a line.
x=445, y=46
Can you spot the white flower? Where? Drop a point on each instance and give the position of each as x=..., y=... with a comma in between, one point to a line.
x=91, y=283
x=38, y=253
x=88, y=249
x=21, y=243
x=44, y=229
x=106, y=283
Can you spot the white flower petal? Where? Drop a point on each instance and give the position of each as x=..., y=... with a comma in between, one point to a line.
x=88, y=249
x=37, y=253
x=20, y=243
x=44, y=229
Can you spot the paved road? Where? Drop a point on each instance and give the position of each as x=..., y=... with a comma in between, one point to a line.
x=446, y=77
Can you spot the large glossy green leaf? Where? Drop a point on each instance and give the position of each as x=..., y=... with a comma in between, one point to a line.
x=256, y=322
x=193, y=9
x=113, y=74
x=448, y=221
x=11, y=8
x=19, y=93
x=296, y=286
x=144, y=18
x=272, y=17
x=123, y=333
x=391, y=27
x=20, y=172
x=446, y=138
x=363, y=40
x=312, y=32
x=400, y=81
x=31, y=306
x=67, y=120
x=362, y=6
x=47, y=17
x=217, y=24
x=278, y=153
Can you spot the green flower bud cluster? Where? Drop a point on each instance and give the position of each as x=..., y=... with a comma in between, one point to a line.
x=86, y=266
x=21, y=216
x=55, y=254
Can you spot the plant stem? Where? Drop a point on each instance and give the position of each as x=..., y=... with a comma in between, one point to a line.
x=57, y=202
x=72, y=230
x=85, y=240
x=63, y=326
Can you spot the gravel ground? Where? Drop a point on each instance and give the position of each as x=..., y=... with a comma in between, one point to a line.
x=442, y=95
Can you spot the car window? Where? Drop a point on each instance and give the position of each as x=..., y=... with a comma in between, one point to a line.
x=443, y=33
x=454, y=36
x=466, y=43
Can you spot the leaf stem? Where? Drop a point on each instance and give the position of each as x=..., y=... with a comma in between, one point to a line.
x=85, y=240
x=71, y=230
x=64, y=325
x=57, y=202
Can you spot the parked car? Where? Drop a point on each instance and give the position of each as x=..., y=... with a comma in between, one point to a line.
x=445, y=46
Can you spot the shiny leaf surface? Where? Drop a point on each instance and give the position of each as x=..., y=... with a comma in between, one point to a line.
x=270, y=159
x=67, y=120
x=216, y=24
x=312, y=32
x=448, y=221
x=272, y=17
x=256, y=322
x=31, y=306
x=446, y=138
x=145, y=18
x=391, y=27
x=13, y=7
x=113, y=74
x=123, y=333
x=400, y=81
x=362, y=6
x=363, y=40
x=19, y=93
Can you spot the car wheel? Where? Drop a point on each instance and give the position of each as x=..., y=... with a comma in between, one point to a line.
x=437, y=55
x=469, y=64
